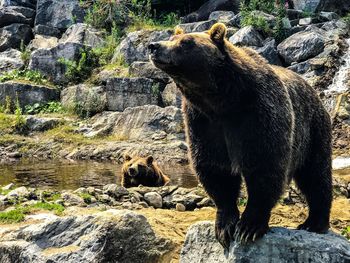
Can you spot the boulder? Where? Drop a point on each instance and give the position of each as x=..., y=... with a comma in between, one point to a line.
x=270, y=19
x=148, y=70
x=338, y=6
x=279, y=245
x=27, y=94
x=83, y=34
x=58, y=14
x=197, y=26
x=42, y=41
x=210, y=6
x=110, y=236
x=269, y=51
x=247, y=36
x=131, y=92
x=47, y=31
x=11, y=36
x=301, y=46
x=138, y=123
x=71, y=199
x=9, y=16
x=171, y=96
x=10, y=59
x=40, y=124
x=22, y=3
x=154, y=199
x=29, y=13
x=134, y=46
x=85, y=98
x=47, y=60
x=222, y=16
x=328, y=16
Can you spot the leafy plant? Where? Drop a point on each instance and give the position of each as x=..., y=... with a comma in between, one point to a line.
x=33, y=76
x=346, y=232
x=12, y=216
x=8, y=105
x=25, y=54
x=346, y=19
x=20, y=121
x=50, y=107
x=86, y=197
x=77, y=71
x=170, y=20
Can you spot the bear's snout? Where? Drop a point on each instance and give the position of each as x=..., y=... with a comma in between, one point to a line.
x=154, y=46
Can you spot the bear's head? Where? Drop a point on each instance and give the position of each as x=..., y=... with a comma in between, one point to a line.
x=191, y=58
x=137, y=167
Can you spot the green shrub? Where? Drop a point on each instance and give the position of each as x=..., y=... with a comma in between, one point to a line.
x=346, y=232
x=346, y=19
x=12, y=216
x=50, y=107
x=78, y=71
x=20, y=121
x=25, y=54
x=32, y=76
x=8, y=105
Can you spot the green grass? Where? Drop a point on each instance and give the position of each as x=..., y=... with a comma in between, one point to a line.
x=25, y=76
x=346, y=232
x=86, y=197
x=18, y=214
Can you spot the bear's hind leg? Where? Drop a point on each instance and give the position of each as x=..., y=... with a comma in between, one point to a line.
x=223, y=187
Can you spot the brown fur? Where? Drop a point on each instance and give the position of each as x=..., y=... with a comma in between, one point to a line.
x=142, y=171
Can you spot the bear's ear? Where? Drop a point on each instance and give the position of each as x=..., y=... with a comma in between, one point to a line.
x=218, y=32
x=127, y=157
x=149, y=160
x=178, y=31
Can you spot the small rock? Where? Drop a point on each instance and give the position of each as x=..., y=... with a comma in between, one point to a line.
x=197, y=26
x=19, y=192
x=104, y=198
x=305, y=21
x=180, y=207
x=41, y=41
x=247, y=36
x=222, y=16
x=154, y=199
x=15, y=155
x=10, y=59
x=8, y=187
x=71, y=199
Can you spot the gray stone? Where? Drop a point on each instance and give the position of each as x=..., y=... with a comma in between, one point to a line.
x=305, y=21
x=58, y=14
x=27, y=94
x=19, y=192
x=134, y=45
x=222, y=16
x=40, y=124
x=247, y=36
x=47, y=60
x=280, y=245
x=89, y=99
x=180, y=207
x=328, y=16
x=336, y=27
x=171, y=96
x=13, y=35
x=301, y=46
x=110, y=236
x=47, y=31
x=84, y=35
x=22, y=3
x=154, y=199
x=301, y=68
x=115, y=190
x=25, y=11
x=9, y=16
x=138, y=123
x=10, y=59
x=197, y=26
x=148, y=70
x=8, y=187
x=71, y=199
x=269, y=51
x=131, y=92
x=41, y=42
x=293, y=14
x=270, y=19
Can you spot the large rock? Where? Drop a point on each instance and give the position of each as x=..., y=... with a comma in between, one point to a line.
x=85, y=98
x=339, y=6
x=84, y=35
x=138, y=123
x=210, y=6
x=148, y=70
x=27, y=94
x=301, y=46
x=171, y=95
x=25, y=3
x=280, y=245
x=40, y=124
x=131, y=92
x=110, y=236
x=247, y=36
x=9, y=16
x=134, y=46
x=47, y=60
x=13, y=35
x=197, y=26
x=58, y=14
x=269, y=51
x=42, y=41
x=225, y=17
x=10, y=59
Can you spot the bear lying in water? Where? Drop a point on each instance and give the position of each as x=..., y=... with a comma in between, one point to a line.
x=246, y=119
x=142, y=171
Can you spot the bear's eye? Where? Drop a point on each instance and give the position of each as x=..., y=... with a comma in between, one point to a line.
x=187, y=44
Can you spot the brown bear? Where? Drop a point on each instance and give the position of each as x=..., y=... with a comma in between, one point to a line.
x=248, y=119
x=142, y=171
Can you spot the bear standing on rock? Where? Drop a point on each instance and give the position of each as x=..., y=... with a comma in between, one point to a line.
x=142, y=171
x=248, y=119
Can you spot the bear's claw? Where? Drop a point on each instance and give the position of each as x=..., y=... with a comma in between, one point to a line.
x=225, y=234
x=249, y=231
x=316, y=227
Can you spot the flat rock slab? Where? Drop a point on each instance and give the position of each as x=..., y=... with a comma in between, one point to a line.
x=280, y=245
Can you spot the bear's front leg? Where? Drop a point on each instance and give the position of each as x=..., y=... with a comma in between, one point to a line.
x=264, y=189
x=223, y=187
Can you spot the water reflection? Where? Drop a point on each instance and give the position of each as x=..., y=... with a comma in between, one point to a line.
x=74, y=174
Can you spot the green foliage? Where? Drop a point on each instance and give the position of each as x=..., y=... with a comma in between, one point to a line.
x=8, y=105
x=56, y=208
x=170, y=20
x=25, y=54
x=346, y=232
x=242, y=201
x=89, y=107
x=20, y=121
x=50, y=107
x=346, y=19
x=78, y=71
x=32, y=76
x=86, y=197
x=12, y=216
